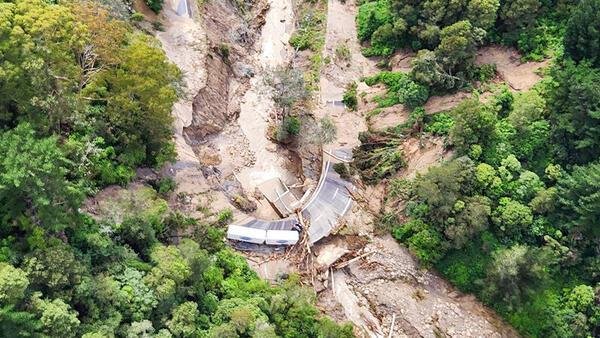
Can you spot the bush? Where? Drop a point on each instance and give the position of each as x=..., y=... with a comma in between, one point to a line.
x=166, y=185
x=289, y=128
x=327, y=130
x=423, y=241
x=342, y=52
x=439, y=124
x=401, y=90
x=137, y=17
x=292, y=124
x=349, y=98
x=486, y=72
x=370, y=16
x=309, y=34
x=225, y=216
x=342, y=170
x=155, y=5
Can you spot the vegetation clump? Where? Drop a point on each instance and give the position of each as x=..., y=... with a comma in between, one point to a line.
x=84, y=100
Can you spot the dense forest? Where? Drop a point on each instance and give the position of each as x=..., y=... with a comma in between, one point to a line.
x=514, y=217
x=85, y=99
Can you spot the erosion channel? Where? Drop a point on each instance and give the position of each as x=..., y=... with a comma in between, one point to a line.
x=225, y=50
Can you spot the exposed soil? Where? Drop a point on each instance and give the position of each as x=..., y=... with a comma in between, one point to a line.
x=335, y=76
x=518, y=75
x=221, y=134
x=437, y=104
x=422, y=154
x=390, y=282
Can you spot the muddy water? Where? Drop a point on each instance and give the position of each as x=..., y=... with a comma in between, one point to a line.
x=257, y=107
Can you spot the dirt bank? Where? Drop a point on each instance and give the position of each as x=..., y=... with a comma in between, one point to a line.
x=389, y=283
x=518, y=75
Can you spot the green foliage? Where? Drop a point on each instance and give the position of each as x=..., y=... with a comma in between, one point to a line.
x=309, y=34
x=137, y=17
x=225, y=216
x=155, y=5
x=401, y=90
x=13, y=282
x=349, y=99
x=582, y=36
x=342, y=170
x=579, y=198
x=515, y=272
x=372, y=15
x=343, y=53
x=33, y=182
x=57, y=318
x=54, y=82
x=84, y=100
x=474, y=124
x=289, y=129
x=425, y=242
x=166, y=185
x=378, y=157
x=439, y=124
x=574, y=117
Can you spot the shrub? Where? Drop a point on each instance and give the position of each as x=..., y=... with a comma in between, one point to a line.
x=136, y=16
x=327, y=130
x=224, y=50
x=342, y=170
x=292, y=125
x=342, y=52
x=155, y=5
x=166, y=185
x=439, y=124
x=401, y=90
x=486, y=72
x=225, y=216
x=349, y=98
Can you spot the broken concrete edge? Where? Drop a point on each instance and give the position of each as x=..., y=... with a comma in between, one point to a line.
x=239, y=231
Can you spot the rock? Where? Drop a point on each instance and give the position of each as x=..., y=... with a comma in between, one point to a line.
x=210, y=106
x=208, y=156
x=243, y=70
x=146, y=175
x=329, y=254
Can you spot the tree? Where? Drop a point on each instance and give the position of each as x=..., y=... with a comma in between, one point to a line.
x=372, y=15
x=482, y=13
x=471, y=217
x=474, y=124
x=441, y=187
x=575, y=112
x=138, y=299
x=512, y=217
x=13, y=282
x=428, y=70
x=134, y=102
x=457, y=47
x=18, y=323
x=514, y=272
x=33, y=182
x=288, y=87
x=54, y=270
x=422, y=239
x=581, y=298
x=582, y=36
x=183, y=320
x=579, y=198
x=37, y=69
x=516, y=14
x=56, y=316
